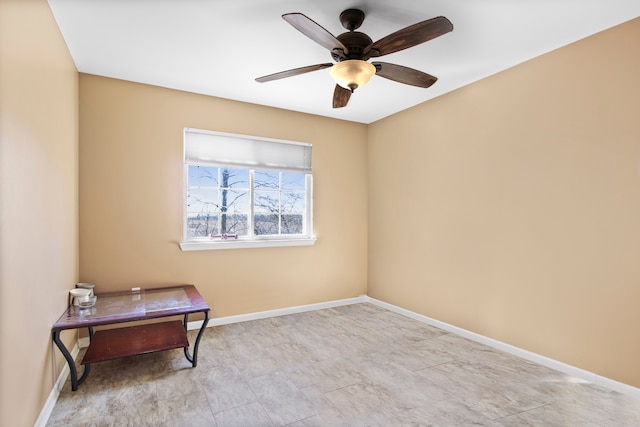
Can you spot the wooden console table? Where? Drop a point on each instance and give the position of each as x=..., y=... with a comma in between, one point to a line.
x=122, y=307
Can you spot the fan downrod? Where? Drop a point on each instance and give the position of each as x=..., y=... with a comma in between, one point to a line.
x=352, y=19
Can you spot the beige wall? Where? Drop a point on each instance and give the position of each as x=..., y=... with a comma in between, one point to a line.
x=38, y=202
x=520, y=199
x=131, y=196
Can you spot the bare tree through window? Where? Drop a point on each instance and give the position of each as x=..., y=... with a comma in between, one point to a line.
x=218, y=202
x=279, y=203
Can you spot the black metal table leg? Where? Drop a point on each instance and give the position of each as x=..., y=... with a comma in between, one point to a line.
x=75, y=381
x=194, y=359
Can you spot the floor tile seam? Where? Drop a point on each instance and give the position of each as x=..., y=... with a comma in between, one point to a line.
x=327, y=401
x=300, y=420
x=292, y=340
x=551, y=405
x=249, y=376
x=333, y=334
x=275, y=422
x=436, y=366
x=267, y=412
x=229, y=408
x=406, y=346
x=324, y=390
x=366, y=382
x=454, y=400
x=240, y=375
x=540, y=400
x=440, y=334
x=343, y=414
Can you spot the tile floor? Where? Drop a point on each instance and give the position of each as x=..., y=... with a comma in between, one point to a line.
x=356, y=365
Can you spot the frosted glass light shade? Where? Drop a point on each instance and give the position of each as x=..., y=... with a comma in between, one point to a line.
x=353, y=73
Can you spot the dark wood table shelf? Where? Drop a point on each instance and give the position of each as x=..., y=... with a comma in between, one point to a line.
x=133, y=340
x=122, y=307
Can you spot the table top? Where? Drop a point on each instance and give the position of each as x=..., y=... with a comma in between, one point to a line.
x=118, y=307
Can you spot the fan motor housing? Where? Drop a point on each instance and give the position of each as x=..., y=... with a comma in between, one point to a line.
x=356, y=42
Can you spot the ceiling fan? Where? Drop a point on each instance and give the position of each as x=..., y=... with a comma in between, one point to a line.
x=352, y=50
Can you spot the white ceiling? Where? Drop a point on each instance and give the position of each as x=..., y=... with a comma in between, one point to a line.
x=218, y=48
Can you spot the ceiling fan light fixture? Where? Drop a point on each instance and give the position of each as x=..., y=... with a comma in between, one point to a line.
x=352, y=73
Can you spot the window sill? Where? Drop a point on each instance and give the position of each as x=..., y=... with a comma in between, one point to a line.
x=243, y=244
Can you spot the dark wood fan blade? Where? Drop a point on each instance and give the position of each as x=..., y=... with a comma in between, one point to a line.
x=410, y=36
x=293, y=72
x=341, y=97
x=315, y=32
x=403, y=74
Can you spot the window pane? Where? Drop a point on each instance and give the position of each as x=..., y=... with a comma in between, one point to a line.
x=235, y=224
x=265, y=224
x=293, y=181
x=234, y=178
x=206, y=176
x=293, y=202
x=201, y=225
x=202, y=200
x=292, y=224
x=234, y=201
x=266, y=202
x=266, y=180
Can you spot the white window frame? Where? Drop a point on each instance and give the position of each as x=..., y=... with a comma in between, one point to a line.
x=250, y=153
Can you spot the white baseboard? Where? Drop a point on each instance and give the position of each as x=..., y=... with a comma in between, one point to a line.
x=516, y=351
x=281, y=312
x=45, y=413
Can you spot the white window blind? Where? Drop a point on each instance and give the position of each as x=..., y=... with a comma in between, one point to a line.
x=223, y=149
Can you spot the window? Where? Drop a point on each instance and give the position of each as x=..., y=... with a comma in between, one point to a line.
x=243, y=191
